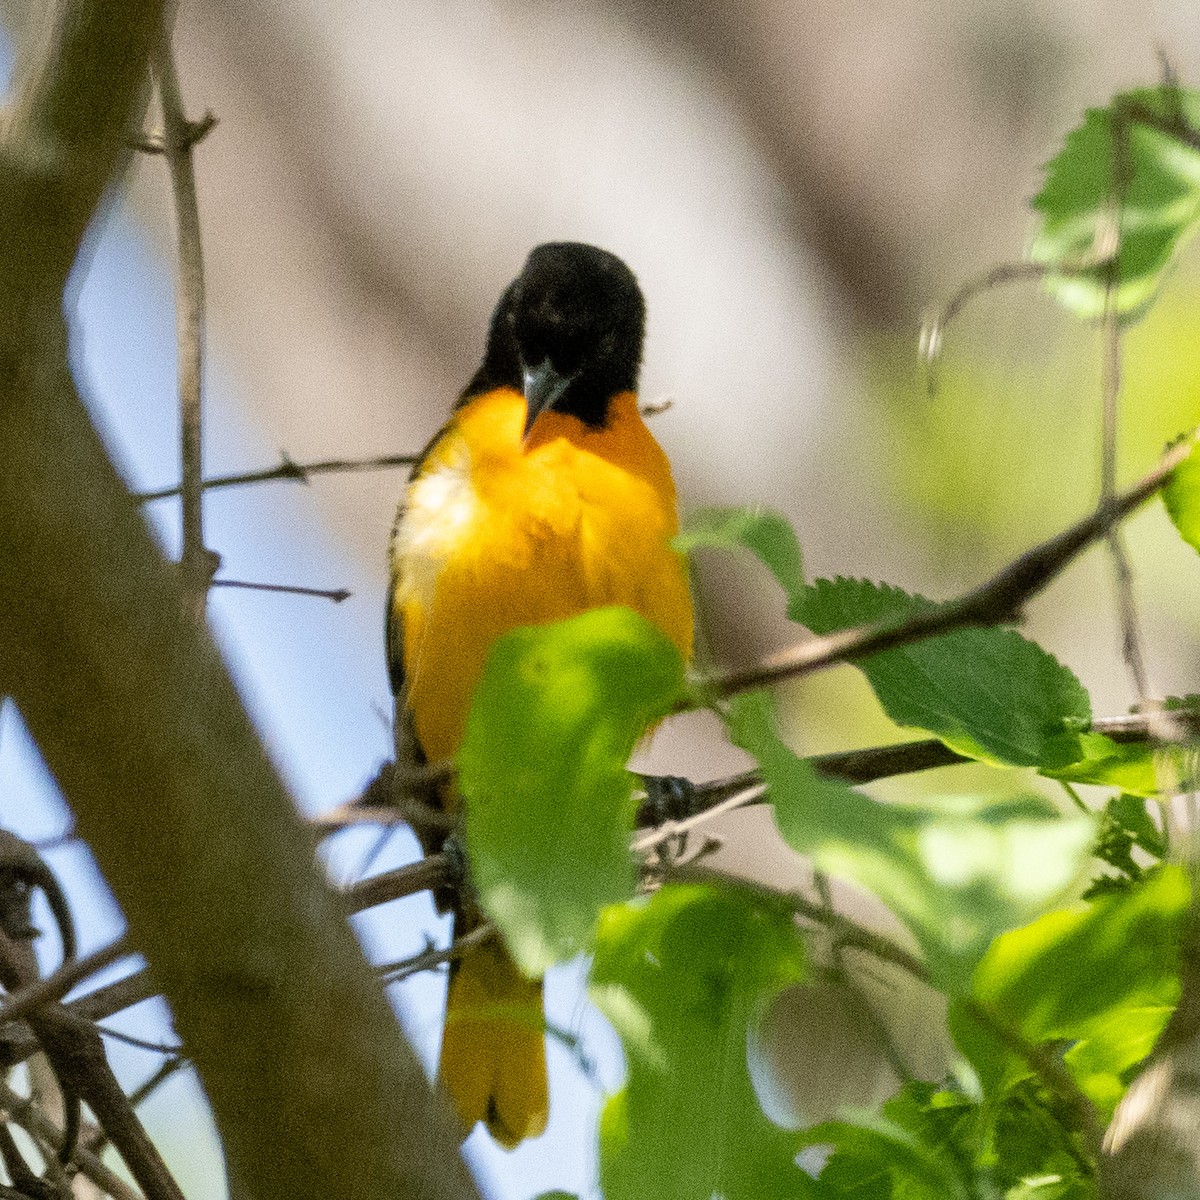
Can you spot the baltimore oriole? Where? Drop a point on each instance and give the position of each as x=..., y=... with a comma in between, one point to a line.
x=543, y=496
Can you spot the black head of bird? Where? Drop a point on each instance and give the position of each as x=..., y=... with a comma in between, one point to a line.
x=567, y=333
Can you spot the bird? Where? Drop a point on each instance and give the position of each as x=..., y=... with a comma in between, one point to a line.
x=543, y=496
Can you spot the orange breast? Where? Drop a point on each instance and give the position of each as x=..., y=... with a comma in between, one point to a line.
x=498, y=534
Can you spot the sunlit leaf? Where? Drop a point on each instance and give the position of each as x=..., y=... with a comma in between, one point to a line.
x=987, y=693
x=957, y=871
x=683, y=978
x=549, y=803
x=1182, y=498
x=1160, y=207
x=1130, y=766
x=760, y=530
x=1102, y=976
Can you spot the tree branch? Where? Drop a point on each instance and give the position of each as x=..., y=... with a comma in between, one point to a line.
x=286, y=589
x=371, y=805
x=77, y=1056
x=434, y=956
x=142, y=727
x=197, y=563
x=291, y=471
x=44, y=1131
x=58, y=984
x=425, y=875
x=1000, y=599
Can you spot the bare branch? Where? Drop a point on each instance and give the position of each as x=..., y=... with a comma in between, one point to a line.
x=197, y=563
x=76, y=1053
x=425, y=875
x=935, y=324
x=853, y=766
x=432, y=872
x=1110, y=386
x=287, y=589
x=432, y=956
x=97, y=1140
x=43, y=1130
x=57, y=985
x=293, y=472
x=999, y=600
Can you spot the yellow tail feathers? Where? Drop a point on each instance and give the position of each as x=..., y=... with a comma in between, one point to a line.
x=493, y=1063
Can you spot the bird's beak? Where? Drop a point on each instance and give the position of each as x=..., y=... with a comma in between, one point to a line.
x=544, y=387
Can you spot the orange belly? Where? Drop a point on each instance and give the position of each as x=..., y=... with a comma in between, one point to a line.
x=499, y=533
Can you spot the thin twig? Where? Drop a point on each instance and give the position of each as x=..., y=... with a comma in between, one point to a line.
x=45, y=1131
x=115, y=997
x=934, y=326
x=868, y=765
x=1110, y=377
x=348, y=816
x=396, y=800
x=425, y=875
x=120, y=1035
x=849, y=932
x=290, y=471
x=197, y=563
x=288, y=589
x=145, y=1090
x=97, y=1139
x=433, y=956
x=432, y=872
x=997, y=601
x=77, y=1055
x=44, y=991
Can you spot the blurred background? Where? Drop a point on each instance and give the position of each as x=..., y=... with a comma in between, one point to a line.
x=795, y=186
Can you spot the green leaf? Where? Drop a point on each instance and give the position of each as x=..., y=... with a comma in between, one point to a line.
x=1160, y=208
x=987, y=693
x=1125, y=825
x=760, y=530
x=549, y=803
x=1103, y=976
x=1131, y=766
x=956, y=872
x=879, y=1158
x=1130, y=814
x=683, y=978
x=931, y=1142
x=1182, y=499
x=1033, y=1148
